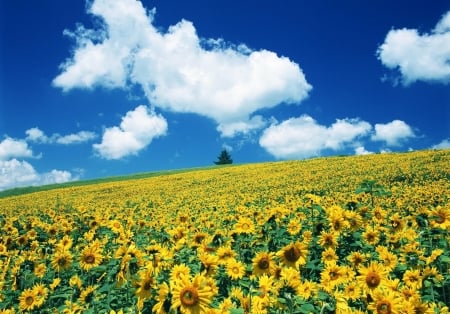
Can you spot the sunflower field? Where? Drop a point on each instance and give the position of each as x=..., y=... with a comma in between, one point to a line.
x=359, y=234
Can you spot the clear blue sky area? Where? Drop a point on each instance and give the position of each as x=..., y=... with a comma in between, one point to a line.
x=103, y=88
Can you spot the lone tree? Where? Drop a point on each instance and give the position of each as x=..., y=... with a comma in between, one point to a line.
x=224, y=158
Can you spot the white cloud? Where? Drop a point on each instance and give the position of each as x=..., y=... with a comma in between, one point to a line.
x=38, y=136
x=16, y=173
x=243, y=127
x=393, y=133
x=80, y=137
x=303, y=137
x=444, y=144
x=136, y=131
x=360, y=150
x=179, y=71
x=419, y=57
x=11, y=148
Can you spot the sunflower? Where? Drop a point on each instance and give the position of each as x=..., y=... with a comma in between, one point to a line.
x=3, y=249
x=306, y=289
x=235, y=269
x=352, y=291
x=160, y=306
x=28, y=300
x=41, y=292
x=146, y=283
x=372, y=276
x=87, y=294
x=263, y=263
x=40, y=269
x=178, y=271
x=331, y=276
x=191, y=296
x=209, y=263
x=244, y=225
x=396, y=222
x=413, y=279
x=356, y=258
x=371, y=236
x=388, y=259
x=440, y=218
x=329, y=256
x=385, y=301
x=61, y=260
x=224, y=253
x=91, y=256
x=294, y=227
x=294, y=254
x=65, y=243
x=328, y=239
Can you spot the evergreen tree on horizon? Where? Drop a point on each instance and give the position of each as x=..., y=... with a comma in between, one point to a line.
x=224, y=158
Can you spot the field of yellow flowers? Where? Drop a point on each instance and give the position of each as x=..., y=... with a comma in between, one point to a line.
x=360, y=234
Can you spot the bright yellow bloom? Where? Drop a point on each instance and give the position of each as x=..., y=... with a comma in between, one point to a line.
x=191, y=296
x=294, y=254
x=61, y=260
x=372, y=276
x=385, y=301
x=244, y=225
x=28, y=300
x=91, y=256
x=235, y=269
x=263, y=263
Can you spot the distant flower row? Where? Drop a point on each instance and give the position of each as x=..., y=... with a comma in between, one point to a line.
x=368, y=234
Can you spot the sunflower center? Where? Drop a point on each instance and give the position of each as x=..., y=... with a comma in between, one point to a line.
x=29, y=300
x=263, y=263
x=245, y=226
x=89, y=259
x=147, y=284
x=62, y=262
x=384, y=307
x=189, y=296
x=333, y=275
x=292, y=254
x=373, y=280
x=440, y=218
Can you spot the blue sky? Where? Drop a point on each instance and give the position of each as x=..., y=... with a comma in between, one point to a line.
x=108, y=88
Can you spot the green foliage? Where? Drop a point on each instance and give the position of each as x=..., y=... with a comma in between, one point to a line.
x=224, y=158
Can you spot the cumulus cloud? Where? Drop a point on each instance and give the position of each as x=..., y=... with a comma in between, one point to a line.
x=303, y=137
x=241, y=127
x=393, y=133
x=11, y=148
x=444, y=144
x=419, y=57
x=178, y=70
x=36, y=135
x=136, y=131
x=360, y=150
x=16, y=173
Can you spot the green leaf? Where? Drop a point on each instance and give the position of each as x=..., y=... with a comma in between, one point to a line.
x=237, y=311
x=307, y=308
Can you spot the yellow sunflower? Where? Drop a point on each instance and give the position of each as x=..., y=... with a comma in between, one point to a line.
x=87, y=294
x=91, y=256
x=28, y=300
x=146, y=283
x=244, y=225
x=331, y=276
x=263, y=263
x=413, y=279
x=372, y=276
x=61, y=260
x=235, y=269
x=163, y=292
x=224, y=253
x=178, y=271
x=294, y=254
x=191, y=296
x=385, y=301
